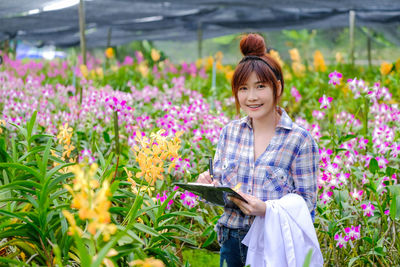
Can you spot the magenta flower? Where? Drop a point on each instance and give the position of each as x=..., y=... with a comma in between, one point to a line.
x=357, y=194
x=341, y=240
x=368, y=209
x=387, y=212
x=326, y=197
x=395, y=150
x=163, y=198
x=335, y=77
x=325, y=102
x=189, y=199
x=139, y=57
x=128, y=61
x=295, y=93
x=362, y=143
x=319, y=115
x=353, y=232
x=382, y=162
x=86, y=154
x=325, y=154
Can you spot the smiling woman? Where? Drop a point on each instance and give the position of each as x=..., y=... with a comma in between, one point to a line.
x=272, y=155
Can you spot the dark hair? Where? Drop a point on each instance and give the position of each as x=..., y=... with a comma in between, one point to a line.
x=256, y=60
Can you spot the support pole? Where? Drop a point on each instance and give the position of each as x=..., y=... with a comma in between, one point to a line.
x=82, y=30
x=14, y=48
x=109, y=37
x=352, y=17
x=369, y=51
x=83, y=40
x=199, y=40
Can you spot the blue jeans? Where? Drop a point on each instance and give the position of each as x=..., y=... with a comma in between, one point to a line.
x=232, y=250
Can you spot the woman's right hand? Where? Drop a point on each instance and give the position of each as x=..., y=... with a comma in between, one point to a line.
x=205, y=178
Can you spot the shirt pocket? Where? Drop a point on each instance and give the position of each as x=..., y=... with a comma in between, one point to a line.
x=277, y=180
x=229, y=173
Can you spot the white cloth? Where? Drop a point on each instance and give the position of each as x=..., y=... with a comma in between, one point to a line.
x=284, y=236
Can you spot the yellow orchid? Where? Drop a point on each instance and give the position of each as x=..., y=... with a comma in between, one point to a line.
x=319, y=62
x=109, y=52
x=151, y=153
x=339, y=57
x=397, y=65
x=275, y=55
x=155, y=55
x=65, y=134
x=68, y=149
x=298, y=69
x=2, y=122
x=149, y=262
x=143, y=69
x=92, y=204
x=295, y=55
x=386, y=68
x=84, y=71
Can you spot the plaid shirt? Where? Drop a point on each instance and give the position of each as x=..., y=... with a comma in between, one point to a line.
x=289, y=165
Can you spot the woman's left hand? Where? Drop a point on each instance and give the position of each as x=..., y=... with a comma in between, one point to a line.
x=254, y=206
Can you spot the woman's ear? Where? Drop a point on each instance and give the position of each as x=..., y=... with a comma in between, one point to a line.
x=279, y=89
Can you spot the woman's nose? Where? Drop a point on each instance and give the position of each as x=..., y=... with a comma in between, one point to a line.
x=252, y=94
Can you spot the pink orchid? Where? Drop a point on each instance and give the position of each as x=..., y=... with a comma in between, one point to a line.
x=357, y=194
x=368, y=209
x=325, y=102
x=341, y=240
x=295, y=93
x=353, y=232
x=335, y=77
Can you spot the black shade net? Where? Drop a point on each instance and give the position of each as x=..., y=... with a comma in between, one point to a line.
x=34, y=20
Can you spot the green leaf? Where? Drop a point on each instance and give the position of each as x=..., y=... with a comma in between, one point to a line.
x=10, y=261
x=307, y=260
x=33, y=137
x=145, y=229
x=45, y=159
x=177, y=213
x=390, y=171
x=345, y=138
x=106, y=137
x=353, y=260
x=175, y=226
x=373, y=166
x=30, y=125
x=21, y=167
x=394, y=211
x=211, y=238
x=57, y=168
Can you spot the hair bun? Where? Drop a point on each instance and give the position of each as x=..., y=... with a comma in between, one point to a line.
x=253, y=45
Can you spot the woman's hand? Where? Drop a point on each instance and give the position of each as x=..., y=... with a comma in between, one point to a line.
x=205, y=178
x=254, y=206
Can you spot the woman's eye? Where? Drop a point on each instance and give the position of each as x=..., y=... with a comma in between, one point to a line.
x=261, y=86
x=242, y=88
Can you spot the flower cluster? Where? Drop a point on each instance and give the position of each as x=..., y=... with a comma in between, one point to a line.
x=163, y=198
x=189, y=199
x=352, y=233
x=91, y=201
x=151, y=154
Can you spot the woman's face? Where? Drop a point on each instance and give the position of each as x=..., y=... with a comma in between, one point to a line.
x=256, y=98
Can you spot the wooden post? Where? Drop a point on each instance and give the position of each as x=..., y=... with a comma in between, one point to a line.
x=369, y=51
x=199, y=39
x=82, y=30
x=352, y=17
x=109, y=37
x=14, y=49
x=83, y=39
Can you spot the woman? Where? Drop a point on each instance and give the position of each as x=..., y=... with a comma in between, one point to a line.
x=266, y=153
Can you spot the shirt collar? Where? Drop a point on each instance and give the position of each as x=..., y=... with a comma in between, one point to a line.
x=284, y=122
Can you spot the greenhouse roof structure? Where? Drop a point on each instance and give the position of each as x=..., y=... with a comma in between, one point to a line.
x=57, y=22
